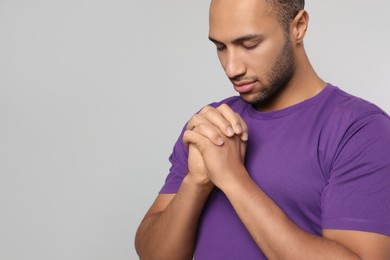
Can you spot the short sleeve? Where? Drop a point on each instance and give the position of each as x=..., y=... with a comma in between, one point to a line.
x=357, y=196
x=179, y=167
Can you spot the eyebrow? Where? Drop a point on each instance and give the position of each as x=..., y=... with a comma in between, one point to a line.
x=240, y=39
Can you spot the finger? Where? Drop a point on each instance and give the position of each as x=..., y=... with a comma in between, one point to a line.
x=196, y=120
x=244, y=133
x=211, y=132
x=205, y=109
x=232, y=117
x=189, y=137
x=193, y=138
x=217, y=119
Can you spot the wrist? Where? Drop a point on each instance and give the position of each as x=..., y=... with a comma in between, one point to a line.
x=234, y=179
x=203, y=184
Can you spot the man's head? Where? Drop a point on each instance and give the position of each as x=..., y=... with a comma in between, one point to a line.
x=257, y=42
x=285, y=10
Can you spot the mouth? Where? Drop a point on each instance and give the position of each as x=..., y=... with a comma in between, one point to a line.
x=244, y=86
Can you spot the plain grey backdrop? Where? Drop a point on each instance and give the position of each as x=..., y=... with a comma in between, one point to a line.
x=94, y=93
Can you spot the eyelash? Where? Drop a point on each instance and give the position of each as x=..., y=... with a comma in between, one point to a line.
x=251, y=47
x=221, y=48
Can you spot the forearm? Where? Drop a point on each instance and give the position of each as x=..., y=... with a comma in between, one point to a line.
x=170, y=234
x=276, y=235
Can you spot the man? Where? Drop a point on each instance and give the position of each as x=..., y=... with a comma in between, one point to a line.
x=293, y=168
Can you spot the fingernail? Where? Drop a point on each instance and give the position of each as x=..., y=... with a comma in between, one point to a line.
x=219, y=141
x=244, y=137
x=230, y=131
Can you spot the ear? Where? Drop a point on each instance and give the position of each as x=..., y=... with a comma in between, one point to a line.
x=299, y=26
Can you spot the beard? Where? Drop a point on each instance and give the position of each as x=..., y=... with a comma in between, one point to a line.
x=278, y=77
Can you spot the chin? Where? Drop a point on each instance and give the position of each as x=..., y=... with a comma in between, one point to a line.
x=253, y=99
x=258, y=97
x=262, y=98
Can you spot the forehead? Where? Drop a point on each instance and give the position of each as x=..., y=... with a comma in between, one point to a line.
x=231, y=18
x=258, y=6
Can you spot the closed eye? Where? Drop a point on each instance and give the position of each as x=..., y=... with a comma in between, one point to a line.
x=220, y=46
x=251, y=43
x=250, y=46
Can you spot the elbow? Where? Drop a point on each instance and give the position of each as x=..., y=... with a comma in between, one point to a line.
x=138, y=245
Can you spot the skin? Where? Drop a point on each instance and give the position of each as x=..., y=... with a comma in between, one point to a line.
x=256, y=49
x=217, y=137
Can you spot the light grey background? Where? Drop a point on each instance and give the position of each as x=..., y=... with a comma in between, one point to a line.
x=94, y=93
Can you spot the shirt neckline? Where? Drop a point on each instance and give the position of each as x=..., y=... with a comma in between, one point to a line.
x=291, y=109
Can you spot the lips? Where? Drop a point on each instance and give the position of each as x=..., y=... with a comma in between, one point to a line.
x=244, y=87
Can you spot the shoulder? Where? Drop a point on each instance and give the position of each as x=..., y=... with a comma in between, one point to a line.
x=349, y=123
x=342, y=110
x=351, y=108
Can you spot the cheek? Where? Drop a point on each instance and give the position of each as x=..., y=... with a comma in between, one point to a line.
x=262, y=59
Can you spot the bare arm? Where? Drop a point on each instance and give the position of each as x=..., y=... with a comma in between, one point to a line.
x=168, y=229
x=279, y=238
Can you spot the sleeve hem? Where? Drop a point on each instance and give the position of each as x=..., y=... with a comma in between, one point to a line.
x=170, y=188
x=356, y=224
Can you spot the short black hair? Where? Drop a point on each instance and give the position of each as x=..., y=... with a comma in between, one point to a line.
x=286, y=10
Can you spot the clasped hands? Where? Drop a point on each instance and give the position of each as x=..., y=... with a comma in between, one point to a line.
x=216, y=139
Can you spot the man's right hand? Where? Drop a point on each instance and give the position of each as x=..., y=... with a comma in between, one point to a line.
x=215, y=122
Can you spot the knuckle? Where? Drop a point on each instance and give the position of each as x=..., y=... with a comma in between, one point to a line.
x=186, y=136
x=205, y=109
x=196, y=118
x=194, y=121
x=214, y=135
x=225, y=109
x=200, y=127
x=225, y=125
x=223, y=106
x=207, y=131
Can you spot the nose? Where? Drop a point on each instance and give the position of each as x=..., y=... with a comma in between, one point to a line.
x=234, y=65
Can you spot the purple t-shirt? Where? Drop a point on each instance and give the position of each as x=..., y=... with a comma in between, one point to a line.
x=325, y=162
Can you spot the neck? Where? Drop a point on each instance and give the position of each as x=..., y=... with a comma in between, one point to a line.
x=304, y=84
